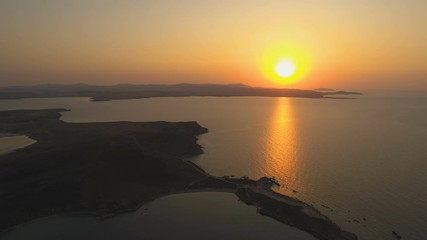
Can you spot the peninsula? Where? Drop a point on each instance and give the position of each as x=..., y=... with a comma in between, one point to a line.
x=107, y=168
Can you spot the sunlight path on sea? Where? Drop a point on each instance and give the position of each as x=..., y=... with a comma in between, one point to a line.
x=361, y=158
x=280, y=154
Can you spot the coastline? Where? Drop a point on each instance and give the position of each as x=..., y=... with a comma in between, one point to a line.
x=154, y=145
x=307, y=210
x=129, y=91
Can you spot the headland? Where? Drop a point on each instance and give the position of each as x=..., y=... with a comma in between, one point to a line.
x=108, y=168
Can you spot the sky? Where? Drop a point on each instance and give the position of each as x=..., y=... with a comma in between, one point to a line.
x=343, y=44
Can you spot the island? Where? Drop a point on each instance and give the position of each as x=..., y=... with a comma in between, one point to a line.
x=138, y=91
x=108, y=168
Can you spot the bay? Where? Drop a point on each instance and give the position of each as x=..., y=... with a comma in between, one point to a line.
x=353, y=159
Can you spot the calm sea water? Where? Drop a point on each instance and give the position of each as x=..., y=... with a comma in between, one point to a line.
x=363, y=158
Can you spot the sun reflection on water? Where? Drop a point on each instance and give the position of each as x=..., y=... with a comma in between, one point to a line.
x=281, y=146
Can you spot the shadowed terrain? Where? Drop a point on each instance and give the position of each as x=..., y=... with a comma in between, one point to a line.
x=93, y=167
x=107, y=168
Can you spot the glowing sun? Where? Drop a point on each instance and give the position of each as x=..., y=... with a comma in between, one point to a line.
x=285, y=68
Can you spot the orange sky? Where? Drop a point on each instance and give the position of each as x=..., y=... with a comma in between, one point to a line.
x=359, y=44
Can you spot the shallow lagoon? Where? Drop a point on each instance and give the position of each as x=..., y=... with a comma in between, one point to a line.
x=209, y=216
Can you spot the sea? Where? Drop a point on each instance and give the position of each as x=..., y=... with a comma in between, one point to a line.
x=360, y=161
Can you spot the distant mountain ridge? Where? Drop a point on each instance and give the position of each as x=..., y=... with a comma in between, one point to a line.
x=136, y=91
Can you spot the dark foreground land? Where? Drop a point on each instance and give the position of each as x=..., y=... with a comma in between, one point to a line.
x=128, y=91
x=108, y=168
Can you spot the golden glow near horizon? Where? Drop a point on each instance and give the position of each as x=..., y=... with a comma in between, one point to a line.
x=334, y=44
x=285, y=63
